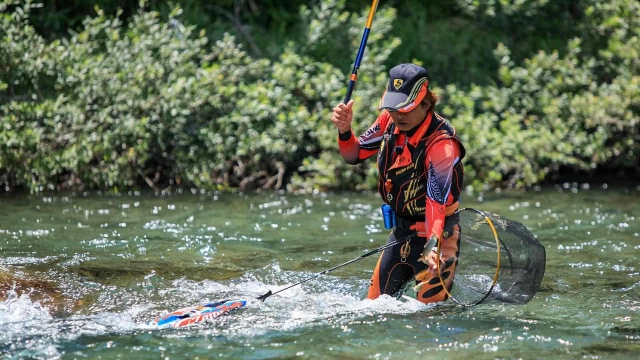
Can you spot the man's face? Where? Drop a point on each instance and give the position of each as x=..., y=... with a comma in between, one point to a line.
x=409, y=120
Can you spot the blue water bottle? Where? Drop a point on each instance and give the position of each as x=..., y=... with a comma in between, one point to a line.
x=389, y=216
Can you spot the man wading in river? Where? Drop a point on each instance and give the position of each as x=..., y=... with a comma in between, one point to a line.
x=420, y=179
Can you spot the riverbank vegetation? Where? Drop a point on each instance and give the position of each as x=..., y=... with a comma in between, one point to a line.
x=121, y=95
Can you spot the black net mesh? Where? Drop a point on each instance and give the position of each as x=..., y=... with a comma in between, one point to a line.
x=481, y=275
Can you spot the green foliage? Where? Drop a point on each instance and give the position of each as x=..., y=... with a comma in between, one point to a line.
x=556, y=112
x=148, y=103
x=140, y=98
x=23, y=54
x=455, y=39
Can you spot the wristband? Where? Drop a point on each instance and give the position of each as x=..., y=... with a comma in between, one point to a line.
x=345, y=136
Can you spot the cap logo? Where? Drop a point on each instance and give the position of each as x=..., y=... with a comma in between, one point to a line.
x=397, y=83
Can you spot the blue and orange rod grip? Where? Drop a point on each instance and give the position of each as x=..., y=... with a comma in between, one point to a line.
x=363, y=45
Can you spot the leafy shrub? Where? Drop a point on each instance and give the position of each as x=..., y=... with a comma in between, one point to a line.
x=151, y=101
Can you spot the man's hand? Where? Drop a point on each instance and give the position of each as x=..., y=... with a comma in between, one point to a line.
x=431, y=259
x=343, y=116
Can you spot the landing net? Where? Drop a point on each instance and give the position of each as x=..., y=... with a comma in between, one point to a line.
x=499, y=260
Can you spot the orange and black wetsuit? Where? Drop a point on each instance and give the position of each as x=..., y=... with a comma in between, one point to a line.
x=420, y=177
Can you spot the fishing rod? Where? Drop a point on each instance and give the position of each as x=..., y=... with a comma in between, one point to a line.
x=196, y=314
x=428, y=247
x=350, y=87
x=363, y=45
x=476, y=280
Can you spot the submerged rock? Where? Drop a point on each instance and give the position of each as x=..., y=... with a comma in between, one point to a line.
x=46, y=293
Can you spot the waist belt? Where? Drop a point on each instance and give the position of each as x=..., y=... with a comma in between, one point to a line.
x=420, y=227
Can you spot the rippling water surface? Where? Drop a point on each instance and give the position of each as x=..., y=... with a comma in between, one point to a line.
x=80, y=274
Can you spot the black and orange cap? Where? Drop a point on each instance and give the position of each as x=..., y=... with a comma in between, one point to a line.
x=408, y=84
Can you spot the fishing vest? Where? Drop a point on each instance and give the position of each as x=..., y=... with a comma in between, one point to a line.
x=403, y=181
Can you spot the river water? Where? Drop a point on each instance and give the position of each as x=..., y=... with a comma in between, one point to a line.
x=81, y=273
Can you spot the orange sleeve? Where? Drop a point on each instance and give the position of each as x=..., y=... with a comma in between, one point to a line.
x=441, y=159
x=357, y=149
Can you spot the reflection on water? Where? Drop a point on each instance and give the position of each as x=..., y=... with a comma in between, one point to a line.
x=81, y=273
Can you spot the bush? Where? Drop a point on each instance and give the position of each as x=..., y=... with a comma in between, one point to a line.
x=151, y=102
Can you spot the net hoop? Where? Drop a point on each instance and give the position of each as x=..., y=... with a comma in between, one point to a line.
x=497, y=272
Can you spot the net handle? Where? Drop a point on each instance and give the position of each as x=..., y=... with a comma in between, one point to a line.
x=495, y=276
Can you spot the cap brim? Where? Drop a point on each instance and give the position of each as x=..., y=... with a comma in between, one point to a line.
x=391, y=100
x=400, y=102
